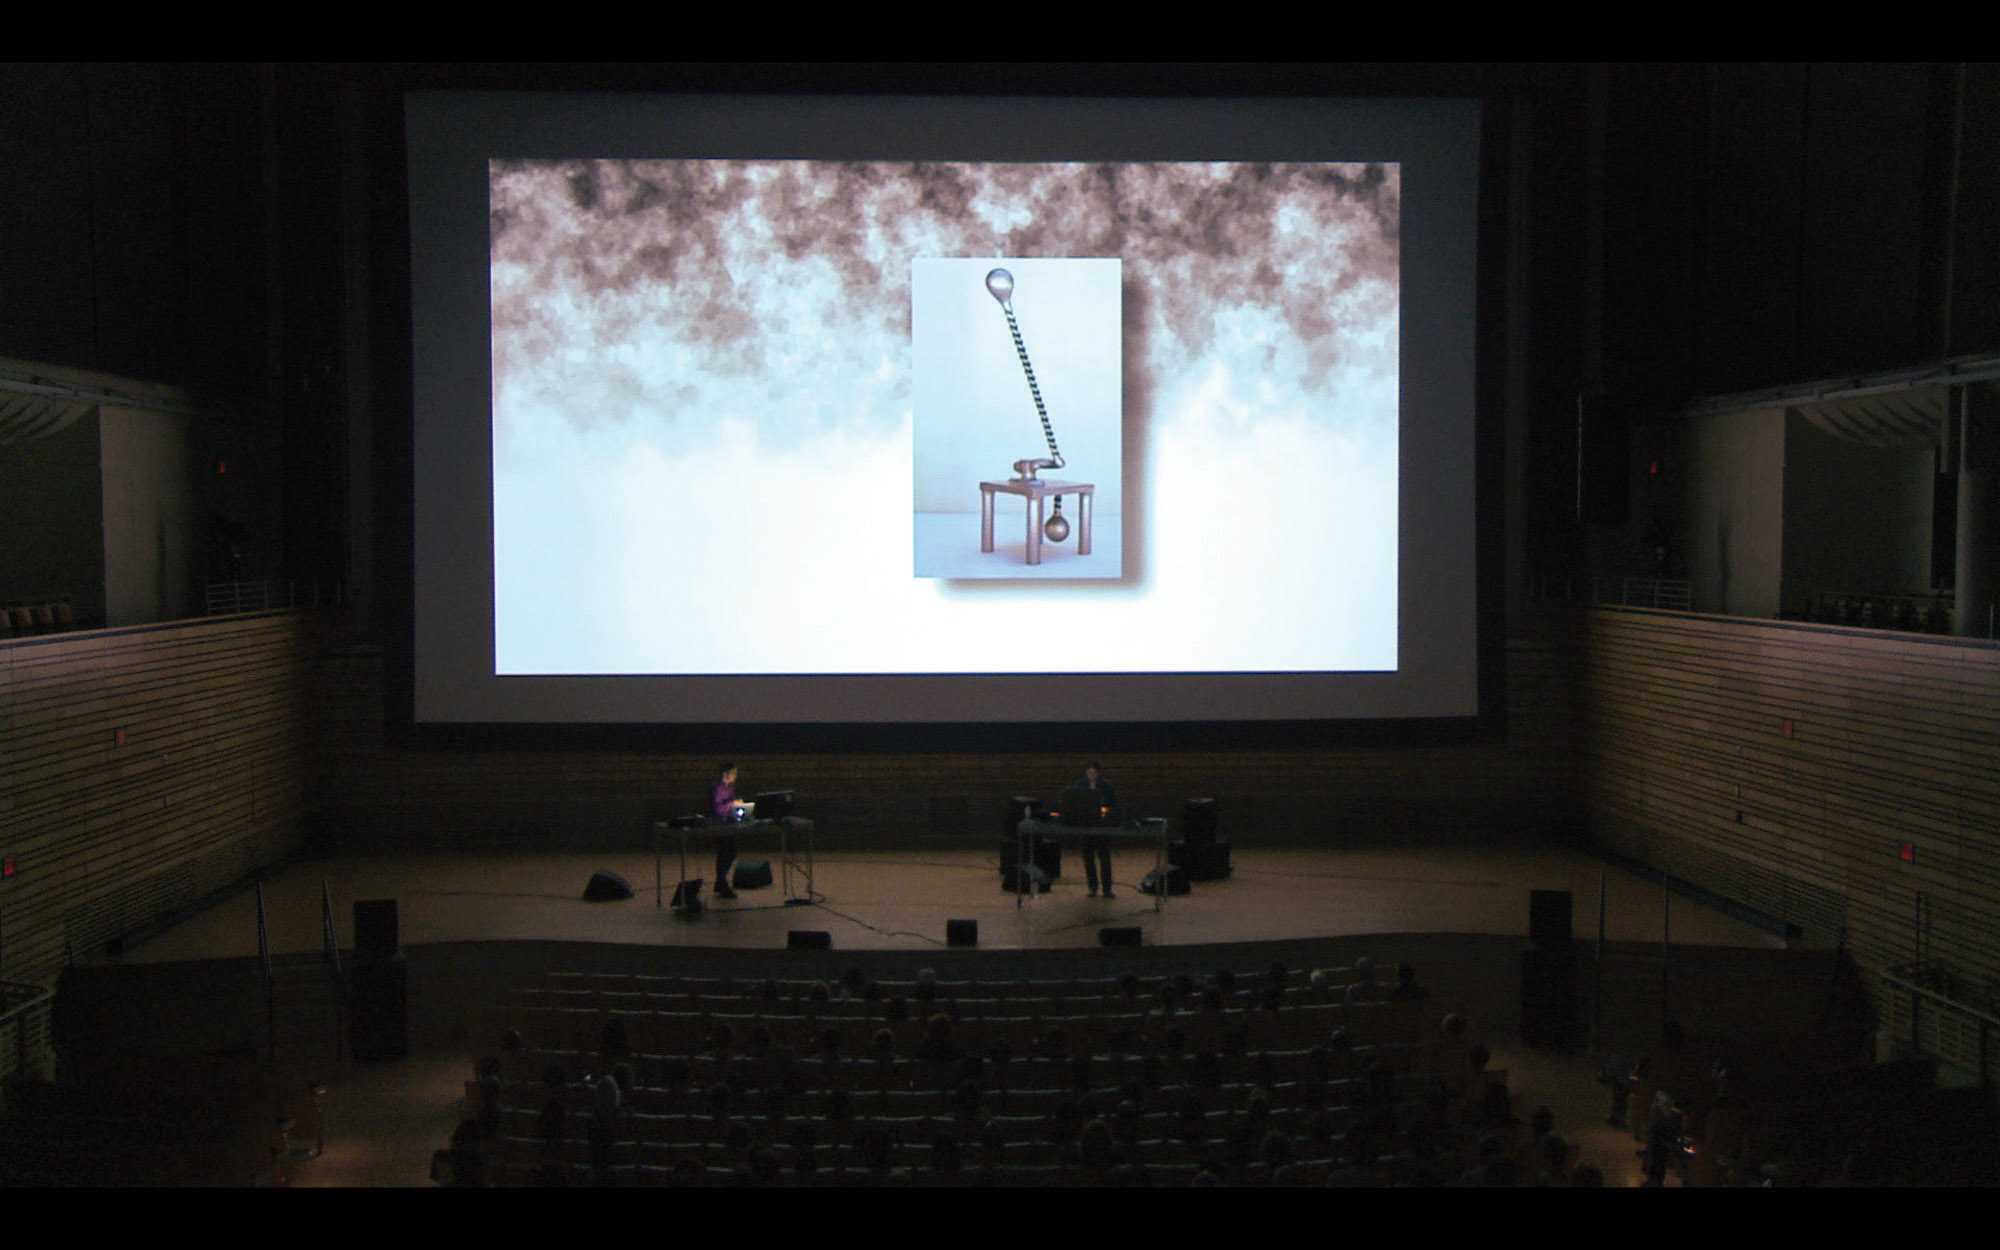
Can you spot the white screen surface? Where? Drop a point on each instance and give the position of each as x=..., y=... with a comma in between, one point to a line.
x=696, y=377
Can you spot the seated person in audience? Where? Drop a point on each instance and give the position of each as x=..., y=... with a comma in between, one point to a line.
x=938, y=1043
x=1555, y=1173
x=1096, y=1151
x=1407, y=989
x=614, y=1043
x=489, y=1097
x=1663, y=1139
x=463, y=1165
x=1540, y=1124
x=606, y=1123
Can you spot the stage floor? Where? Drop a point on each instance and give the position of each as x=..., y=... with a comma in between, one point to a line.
x=900, y=900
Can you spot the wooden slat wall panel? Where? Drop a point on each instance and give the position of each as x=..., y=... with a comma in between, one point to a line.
x=368, y=794
x=208, y=784
x=1893, y=738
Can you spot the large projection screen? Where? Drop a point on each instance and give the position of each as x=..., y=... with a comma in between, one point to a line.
x=739, y=410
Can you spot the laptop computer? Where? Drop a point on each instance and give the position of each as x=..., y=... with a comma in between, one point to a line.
x=773, y=804
x=1084, y=808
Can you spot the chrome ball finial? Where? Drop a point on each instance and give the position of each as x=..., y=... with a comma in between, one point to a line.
x=1056, y=528
x=1000, y=285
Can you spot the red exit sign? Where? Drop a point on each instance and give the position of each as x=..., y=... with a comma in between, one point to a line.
x=7, y=866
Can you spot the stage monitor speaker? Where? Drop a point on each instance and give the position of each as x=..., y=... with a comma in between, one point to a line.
x=687, y=899
x=1177, y=881
x=809, y=940
x=1125, y=935
x=606, y=886
x=375, y=928
x=1203, y=862
x=1045, y=854
x=1548, y=916
x=379, y=1023
x=1017, y=879
x=751, y=874
x=961, y=933
x=1548, y=996
x=1199, y=823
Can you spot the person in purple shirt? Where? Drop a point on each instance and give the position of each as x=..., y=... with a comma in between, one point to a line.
x=722, y=798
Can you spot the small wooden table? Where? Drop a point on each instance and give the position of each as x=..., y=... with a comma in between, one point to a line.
x=1034, y=490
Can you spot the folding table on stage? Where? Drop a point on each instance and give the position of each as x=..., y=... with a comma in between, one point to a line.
x=787, y=828
x=1153, y=829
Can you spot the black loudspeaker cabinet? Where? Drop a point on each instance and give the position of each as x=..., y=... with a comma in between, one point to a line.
x=1199, y=823
x=1124, y=935
x=1017, y=880
x=961, y=933
x=751, y=874
x=1548, y=916
x=375, y=927
x=379, y=1027
x=809, y=940
x=1548, y=996
x=606, y=886
x=1201, y=861
x=1046, y=855
x=1177, y=881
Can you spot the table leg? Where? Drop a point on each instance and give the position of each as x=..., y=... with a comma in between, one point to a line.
x=985, y=519
x=1035, y=530
x=1083, y=524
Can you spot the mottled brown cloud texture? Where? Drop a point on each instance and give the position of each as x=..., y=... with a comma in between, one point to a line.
x=780, y=290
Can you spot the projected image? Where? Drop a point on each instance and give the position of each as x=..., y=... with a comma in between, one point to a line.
x=1017, y=418
x=727, y=417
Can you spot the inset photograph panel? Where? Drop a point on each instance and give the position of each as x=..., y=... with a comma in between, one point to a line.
x=1016, y=367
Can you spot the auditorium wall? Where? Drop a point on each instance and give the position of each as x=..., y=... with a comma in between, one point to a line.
x=141, y=771
x=1787, y=766
x=372, y=792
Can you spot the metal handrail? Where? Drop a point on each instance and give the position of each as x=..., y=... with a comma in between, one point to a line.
x=17, y=996
x=16, y=999
x=1902, y=975
x=1907, y=979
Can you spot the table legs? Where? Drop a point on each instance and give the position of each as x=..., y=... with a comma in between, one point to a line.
x=1036, y=515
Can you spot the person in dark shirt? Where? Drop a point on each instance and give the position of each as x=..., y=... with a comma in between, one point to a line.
x=1097, y=849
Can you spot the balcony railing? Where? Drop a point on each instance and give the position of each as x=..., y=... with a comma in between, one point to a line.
x=1930, y=1011
x=223, y=598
